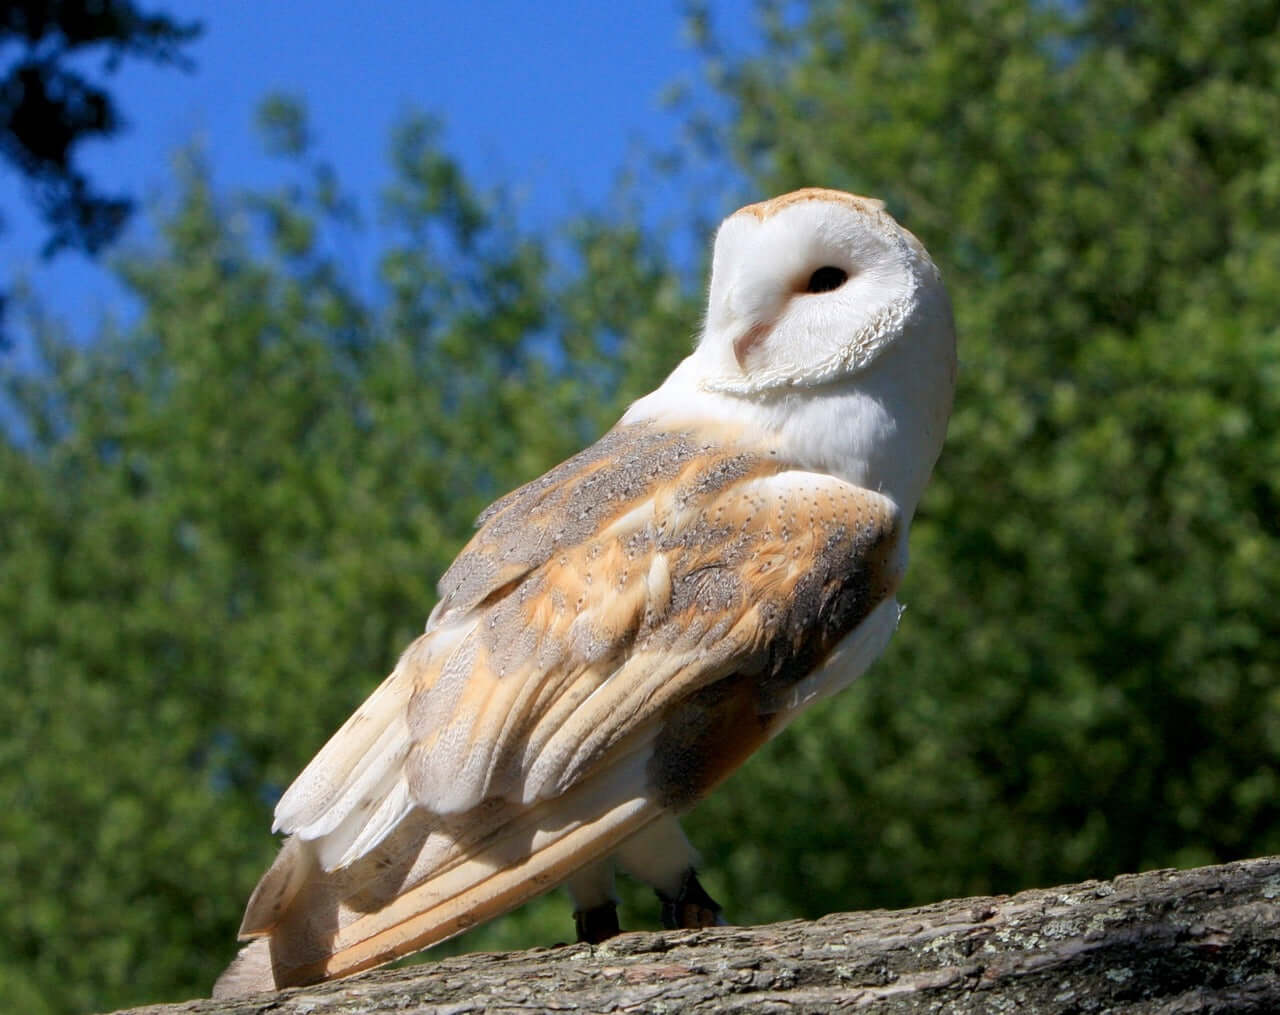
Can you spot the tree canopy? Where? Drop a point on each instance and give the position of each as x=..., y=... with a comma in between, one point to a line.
x=219, y=525
x=49, y=105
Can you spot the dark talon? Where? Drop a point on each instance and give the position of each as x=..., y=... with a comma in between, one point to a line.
x=598, y=923
x=692, y=908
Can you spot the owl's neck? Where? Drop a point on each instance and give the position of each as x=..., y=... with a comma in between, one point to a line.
x=881, y=428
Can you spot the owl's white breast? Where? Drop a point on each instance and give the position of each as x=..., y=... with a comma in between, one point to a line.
x=881, y=428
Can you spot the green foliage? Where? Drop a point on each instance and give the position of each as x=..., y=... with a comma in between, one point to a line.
x=1085, y=681
x=219, y=526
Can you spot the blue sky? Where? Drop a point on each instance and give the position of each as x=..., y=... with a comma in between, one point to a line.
x=550, y=99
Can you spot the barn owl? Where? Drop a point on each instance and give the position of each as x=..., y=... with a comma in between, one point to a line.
x=622, y=633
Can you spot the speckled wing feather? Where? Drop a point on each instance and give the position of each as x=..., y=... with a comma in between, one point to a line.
x=618, y=636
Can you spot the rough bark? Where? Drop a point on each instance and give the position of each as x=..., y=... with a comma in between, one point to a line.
x=1205, y=940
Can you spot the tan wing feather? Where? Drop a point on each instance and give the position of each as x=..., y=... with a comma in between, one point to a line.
x=619, y=631
x=428, y=882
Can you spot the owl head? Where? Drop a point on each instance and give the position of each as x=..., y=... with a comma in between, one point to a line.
x=812, y=287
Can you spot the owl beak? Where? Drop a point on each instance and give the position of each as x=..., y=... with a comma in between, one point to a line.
x=747, y=341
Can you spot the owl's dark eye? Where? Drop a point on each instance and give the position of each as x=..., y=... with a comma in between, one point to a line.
x=825, y=279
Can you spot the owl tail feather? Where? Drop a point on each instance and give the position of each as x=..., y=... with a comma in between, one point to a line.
x=429, y=881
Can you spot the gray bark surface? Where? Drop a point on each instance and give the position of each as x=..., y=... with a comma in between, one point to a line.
x=1204, y=940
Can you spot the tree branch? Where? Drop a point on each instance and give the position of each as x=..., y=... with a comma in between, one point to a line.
x=1205, y=940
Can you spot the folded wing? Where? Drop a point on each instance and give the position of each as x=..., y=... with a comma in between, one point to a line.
x=617, y=637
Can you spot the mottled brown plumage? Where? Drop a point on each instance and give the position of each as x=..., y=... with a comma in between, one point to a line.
x=730, y=576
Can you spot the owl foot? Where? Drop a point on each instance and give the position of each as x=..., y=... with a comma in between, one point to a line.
x=691, y=908
x=598, y=923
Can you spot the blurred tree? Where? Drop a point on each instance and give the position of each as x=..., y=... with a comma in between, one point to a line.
x=1087, y=678
x=49, y=106
x=219, y=527
x=217, y=530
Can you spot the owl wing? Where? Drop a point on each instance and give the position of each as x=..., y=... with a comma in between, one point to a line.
x=618, y=636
